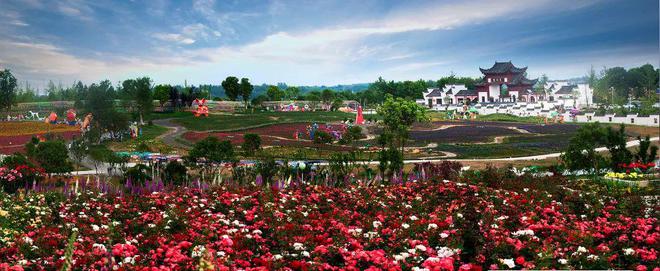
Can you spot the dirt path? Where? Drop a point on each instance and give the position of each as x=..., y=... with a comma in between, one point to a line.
x=174, y=134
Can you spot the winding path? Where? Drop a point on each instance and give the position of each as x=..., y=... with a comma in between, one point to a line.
x=171, y=137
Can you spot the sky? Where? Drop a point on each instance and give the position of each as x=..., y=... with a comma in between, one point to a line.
x=318, y=42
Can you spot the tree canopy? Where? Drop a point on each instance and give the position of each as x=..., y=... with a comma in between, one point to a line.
x=7, y=90
x=232, y=87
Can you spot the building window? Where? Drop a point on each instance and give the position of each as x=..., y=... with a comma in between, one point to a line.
x=483, y=99
x=610, y=119
x=589, y=118
x=438, y=101
x=655, y=120
x=632, y=120
x=489, y=80
x=506, y=79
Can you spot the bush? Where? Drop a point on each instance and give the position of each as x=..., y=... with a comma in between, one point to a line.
x=322, y=137
x=175, y=173
x=139, y=174
x=251, y=143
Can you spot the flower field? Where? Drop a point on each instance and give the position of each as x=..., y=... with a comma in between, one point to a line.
x=272, y=135
x=13, y=135
x=13, y=128
x=418, y=225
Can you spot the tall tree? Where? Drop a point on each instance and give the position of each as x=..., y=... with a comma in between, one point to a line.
x=399, y=115
x=7, y=90
x=232, y=87
x=138, y=91
x=274, y=93
x=162, y=94
x=327, y=95
x=246, y=90
x=292, y=93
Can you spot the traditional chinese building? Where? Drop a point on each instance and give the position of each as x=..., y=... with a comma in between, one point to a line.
x=505, y=82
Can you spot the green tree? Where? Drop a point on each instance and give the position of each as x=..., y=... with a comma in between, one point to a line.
x=399, y=115
x=7, y=90
x=246, y=90
x=78, y=149
x=327, y=95
x=162, y=94
x=212, y=150
x=138, y=93
x=646, y=153
x=53, y=156
x=174, y=173
x=292, y=93
x=274, y=93
x=100, y=103
x=615, y=142
x=251, y=143
x=100, y=154
x=232, y=87
x=209, y=151
x=581, y=152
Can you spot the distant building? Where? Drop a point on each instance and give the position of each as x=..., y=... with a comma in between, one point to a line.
x=441, y=96
x=505, y=82
x=569, y=95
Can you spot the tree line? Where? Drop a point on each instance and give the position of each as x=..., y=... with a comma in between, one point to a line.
x=618, y=86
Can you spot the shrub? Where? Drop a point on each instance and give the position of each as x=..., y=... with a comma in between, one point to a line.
x=139, y=174
x=175, y=173
x=251, y=143
x=322, y=137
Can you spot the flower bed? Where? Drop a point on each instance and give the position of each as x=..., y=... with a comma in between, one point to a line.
x=271, y=135
x=13, y=128
x=438, y=226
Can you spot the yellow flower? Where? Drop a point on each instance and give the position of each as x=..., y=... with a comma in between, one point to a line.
x=3, y=213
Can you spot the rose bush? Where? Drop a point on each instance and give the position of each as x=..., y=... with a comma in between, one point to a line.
x=439, y=225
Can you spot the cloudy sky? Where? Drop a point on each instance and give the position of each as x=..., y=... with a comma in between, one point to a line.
x=319, y=42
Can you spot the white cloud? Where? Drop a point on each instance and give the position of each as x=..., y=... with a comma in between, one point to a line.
x=172, y=37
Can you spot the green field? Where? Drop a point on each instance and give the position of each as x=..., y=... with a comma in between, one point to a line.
x=231, y=122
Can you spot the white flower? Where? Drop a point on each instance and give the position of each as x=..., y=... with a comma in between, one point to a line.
x=628, y=251
x=432, y=226
x=459, y=215
x=198, y=251
x=305, y=254
x=277, y=256
x=508, y=262
x=592, y=257
x=444, y=252
x=420, y=247
x=413, y=218
x=523, y=232
x=27, y=240
x=100, y=247
x=581, y=249
x=298, y=246
x=405, y=225
x=563, y=261
x=95, y=227
x=444, y=235
x=376, y=224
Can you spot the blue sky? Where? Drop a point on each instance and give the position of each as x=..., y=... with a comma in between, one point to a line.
x=319, y=42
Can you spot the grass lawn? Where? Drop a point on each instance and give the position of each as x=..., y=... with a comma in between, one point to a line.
x=149, y=134
x=509, y=118
x=232, y=122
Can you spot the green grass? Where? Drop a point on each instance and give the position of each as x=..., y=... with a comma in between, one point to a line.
x=150, y=132
x=509, y=118
x=231, y=122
